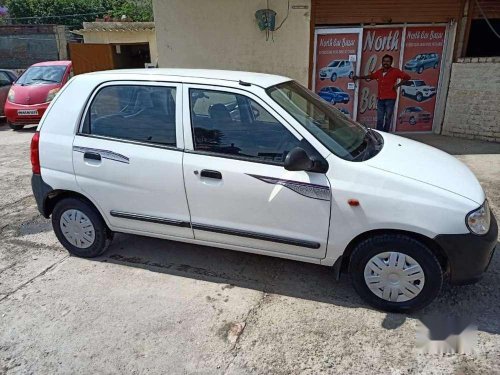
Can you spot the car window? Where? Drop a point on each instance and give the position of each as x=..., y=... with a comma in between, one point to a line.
x=4, y=79
x=334, y=63
x=42, y=75
x=233, y=124
x=133, y=112
x=419, y=83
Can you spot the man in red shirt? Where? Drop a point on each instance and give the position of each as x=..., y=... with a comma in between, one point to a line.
x=387, y=78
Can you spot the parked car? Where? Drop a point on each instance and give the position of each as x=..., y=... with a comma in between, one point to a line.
x=334, y=95
x=414, y=115
x=7, y=77
x=422, y=61
x=418, y=89
x=337, y=69
x=299, y=180
x=30, y=95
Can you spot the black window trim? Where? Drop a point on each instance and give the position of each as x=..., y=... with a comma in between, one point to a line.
x=192, y=86
x=112, y=83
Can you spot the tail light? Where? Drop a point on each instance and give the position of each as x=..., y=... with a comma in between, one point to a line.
x=35, y=155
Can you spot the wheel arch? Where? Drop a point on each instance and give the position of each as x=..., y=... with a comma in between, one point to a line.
x=429, y=242
x=56, y=196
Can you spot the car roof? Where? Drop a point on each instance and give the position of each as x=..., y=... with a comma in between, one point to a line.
x=52, y=63
x=258, y=79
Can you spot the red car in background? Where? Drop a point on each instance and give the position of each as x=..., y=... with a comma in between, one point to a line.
x=31, y=94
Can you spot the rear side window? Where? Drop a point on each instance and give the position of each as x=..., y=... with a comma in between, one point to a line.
x=233, y=124
x=137, y=113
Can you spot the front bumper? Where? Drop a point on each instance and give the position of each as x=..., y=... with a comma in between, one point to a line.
x=469, y=255
x=15, y=119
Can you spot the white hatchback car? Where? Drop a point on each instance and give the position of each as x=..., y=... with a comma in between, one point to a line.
x=260, y=164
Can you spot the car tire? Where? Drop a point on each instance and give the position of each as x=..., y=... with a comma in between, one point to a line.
x=420, y=70
x=79, y=218
x=436, y=65
x=403, y=92
x=419, y=97
x=16, y=127
x=351, y=74
x=333, y=78
x=333, y=102
x=418, y=258
x=412, y=120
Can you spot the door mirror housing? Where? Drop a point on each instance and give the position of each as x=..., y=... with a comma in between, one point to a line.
x=298, y=160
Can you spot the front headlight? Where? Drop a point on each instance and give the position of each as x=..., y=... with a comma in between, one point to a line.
x=478, y=221
x=11, y=96
x=52, y=93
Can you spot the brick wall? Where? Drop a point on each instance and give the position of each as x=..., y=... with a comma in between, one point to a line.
x=473, y=103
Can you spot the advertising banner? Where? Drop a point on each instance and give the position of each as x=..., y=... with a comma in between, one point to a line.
x=377, y=42
x=422, y=57
x=336, y=59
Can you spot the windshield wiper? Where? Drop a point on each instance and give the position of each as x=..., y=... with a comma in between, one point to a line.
x=45, y=80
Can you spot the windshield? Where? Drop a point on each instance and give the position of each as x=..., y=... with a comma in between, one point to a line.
x=341, y=135
x=334, y=63
x=419, y=83
x=39, y=75
x=417, y=109
x=336, y=89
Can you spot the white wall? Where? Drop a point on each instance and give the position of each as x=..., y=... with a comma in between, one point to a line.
x=473, y=103
x=223, y=34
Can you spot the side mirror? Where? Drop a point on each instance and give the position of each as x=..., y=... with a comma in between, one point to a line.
x=298, y=160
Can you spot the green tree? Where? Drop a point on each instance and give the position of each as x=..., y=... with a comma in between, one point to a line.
x=60, y=11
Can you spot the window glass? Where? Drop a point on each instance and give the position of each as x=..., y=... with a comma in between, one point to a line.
x=228, y=123
x=4, y=79
x=139, y=113
x=42, y=75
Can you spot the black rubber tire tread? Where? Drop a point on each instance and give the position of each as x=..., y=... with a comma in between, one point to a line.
x=103, y=236
x=16, y=127
x=368, y=248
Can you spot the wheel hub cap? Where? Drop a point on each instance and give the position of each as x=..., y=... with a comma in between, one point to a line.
x=394, y=276
x=77, y=228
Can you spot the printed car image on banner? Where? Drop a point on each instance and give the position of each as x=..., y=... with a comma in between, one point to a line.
x=422, y=61
x=336, y=56
x=377, y=42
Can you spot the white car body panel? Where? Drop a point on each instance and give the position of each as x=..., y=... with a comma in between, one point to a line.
x=439, y=189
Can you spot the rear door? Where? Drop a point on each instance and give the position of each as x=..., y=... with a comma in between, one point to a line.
x=239, y=193
x=127, y=157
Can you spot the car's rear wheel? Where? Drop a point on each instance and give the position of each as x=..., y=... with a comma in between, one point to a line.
x=403, y=92
x=333, y=101
x=351, y=74
x=436, y=65
x=80, y=228
x=420, y=70
x=412, y=121
x=394, y=272
x=15, y=127
x=333, y=78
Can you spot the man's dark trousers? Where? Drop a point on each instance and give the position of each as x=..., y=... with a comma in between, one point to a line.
x=385, y=110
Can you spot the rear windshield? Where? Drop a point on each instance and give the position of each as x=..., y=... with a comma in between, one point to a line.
x=40, y=75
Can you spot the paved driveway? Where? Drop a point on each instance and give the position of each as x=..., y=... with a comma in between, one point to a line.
x=160, y=307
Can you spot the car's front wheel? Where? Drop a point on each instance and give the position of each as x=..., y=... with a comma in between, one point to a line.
x=80, y=228
x=333, y=78
x=394, y=272
x=15, y=127
x=412, y=121
x=420, y=70
x=419, y=97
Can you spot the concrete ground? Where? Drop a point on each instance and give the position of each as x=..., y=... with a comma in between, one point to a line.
x=160, y=307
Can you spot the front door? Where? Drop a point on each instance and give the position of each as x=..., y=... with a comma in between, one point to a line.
x=238, y=191
x=128, y=158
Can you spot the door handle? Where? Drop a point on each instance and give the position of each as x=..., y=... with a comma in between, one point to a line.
x=92, y=156
x=211, y=174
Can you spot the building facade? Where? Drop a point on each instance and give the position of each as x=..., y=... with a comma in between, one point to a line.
x=324, y=43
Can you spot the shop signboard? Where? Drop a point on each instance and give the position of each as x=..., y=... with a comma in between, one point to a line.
x=377, y=42
x=336, y=59
x=422, y=57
